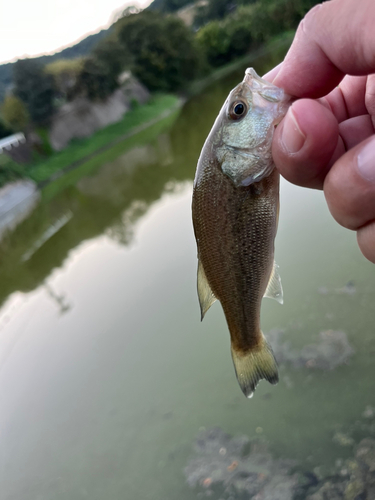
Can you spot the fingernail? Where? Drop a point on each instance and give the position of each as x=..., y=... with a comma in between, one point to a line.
x=366, y=161
x=292, y=137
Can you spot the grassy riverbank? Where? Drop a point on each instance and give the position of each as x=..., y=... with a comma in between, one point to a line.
x=43, y=170
x=139, y=136
x=79, y=150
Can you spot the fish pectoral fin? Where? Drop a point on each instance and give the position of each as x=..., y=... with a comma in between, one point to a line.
x=254, y=365
x=274, y=288
x=205, y=294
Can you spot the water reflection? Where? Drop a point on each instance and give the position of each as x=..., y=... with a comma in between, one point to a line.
x=59, y=298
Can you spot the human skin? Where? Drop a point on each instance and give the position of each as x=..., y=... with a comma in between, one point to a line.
x=327, y=139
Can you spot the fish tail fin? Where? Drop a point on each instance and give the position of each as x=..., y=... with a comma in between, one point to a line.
x=254, y=365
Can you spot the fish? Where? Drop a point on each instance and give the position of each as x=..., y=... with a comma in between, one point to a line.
x=235, y=209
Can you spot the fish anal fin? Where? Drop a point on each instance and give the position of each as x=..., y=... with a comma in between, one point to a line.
x=274, y=288
x=254, y=365
x=205, y=294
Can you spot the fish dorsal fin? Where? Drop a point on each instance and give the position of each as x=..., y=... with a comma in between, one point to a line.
x=205, y=295
x=274, y=289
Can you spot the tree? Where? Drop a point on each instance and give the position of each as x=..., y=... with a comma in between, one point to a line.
x=14, y=112
x=248, y=27
x=165, y=56
x=94, y=80
x=64, y=73
x=168, y=5
x=215, y=43
x=114, y=55
x=215, y=9
x=98, y=77
x=4, y=130
x=35, y=88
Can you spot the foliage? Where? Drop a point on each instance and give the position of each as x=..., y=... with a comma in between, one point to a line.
x=214, y=9
x=44, y=147
x=215, y=42
x=4, y=130
x=168, y=5
x=164, y=53
x=35, y=88
x=94, y=80
x=99, y=74
x=15, y=115
x=64, y=73
x=6, y=77
x=116, y=57
x=128, y=11
x=10, y=170
x=273, y=14
x=224, y=40
x=248, y=27
x=62, y=66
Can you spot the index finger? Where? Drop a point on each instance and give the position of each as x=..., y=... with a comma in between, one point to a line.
x=334, y=39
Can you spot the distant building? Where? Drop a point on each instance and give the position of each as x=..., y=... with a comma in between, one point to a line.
x=12, y=141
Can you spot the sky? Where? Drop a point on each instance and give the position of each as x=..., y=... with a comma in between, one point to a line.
x=34, y=27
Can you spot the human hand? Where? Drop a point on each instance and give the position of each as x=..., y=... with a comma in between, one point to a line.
x=327, y=139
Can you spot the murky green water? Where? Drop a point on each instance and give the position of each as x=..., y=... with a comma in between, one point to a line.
x=107, y=374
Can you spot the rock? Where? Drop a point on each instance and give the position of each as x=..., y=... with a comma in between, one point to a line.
x=242, y=469
x=358, y=481
x=81, y=117
x=237, y=473
x=332, y=350
x=329, y=491
x=342, y=439
x=355, y=491
x=369, y=412
x=133, y=89
x=366, y=453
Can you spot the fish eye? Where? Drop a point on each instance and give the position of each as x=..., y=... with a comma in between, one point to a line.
x=238, y=110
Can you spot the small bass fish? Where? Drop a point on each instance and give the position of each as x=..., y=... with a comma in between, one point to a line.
x=235, y=214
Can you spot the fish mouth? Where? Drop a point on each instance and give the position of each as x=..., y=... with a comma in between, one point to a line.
x=265, y=89
x=252, y=79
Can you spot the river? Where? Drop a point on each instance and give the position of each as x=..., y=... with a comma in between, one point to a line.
x=107, y=374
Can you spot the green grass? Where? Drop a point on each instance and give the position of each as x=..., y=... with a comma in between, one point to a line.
x=78, y=150
x=98, y=160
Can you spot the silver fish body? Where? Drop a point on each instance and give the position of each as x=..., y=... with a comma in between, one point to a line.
x=235, y=212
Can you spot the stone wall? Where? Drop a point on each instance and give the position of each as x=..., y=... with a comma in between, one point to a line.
x=82, y=117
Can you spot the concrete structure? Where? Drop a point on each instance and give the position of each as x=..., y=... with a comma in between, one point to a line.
x=17, y=200
x=82, y=117
x=12, y=141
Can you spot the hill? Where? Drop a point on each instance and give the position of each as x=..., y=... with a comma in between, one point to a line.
x=168, y=6
x=81, y=48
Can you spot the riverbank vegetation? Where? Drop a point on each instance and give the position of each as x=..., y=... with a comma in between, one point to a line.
x=43, y=169
x=162, y=51
x=82, y=150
